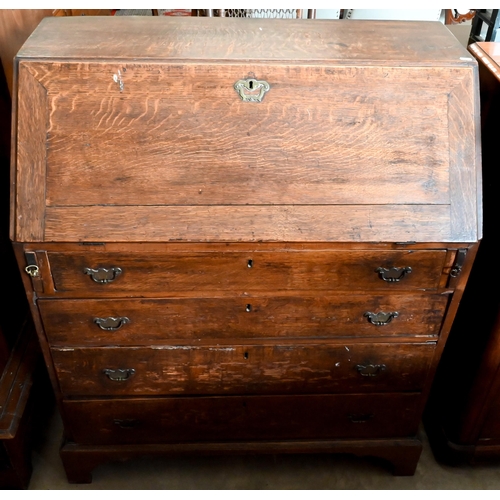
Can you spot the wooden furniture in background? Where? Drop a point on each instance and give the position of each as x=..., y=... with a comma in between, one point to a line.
x=16, y=25
x=4, y=352
x=257, y=13
x=463, y=415
x=485, y=18
x=25, y=397
x=26, y=402
x=454, y=16
x=82, y=12
x=255, y=243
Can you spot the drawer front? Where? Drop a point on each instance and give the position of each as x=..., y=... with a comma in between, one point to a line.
x=154, y=321
x=101, y=274
x=206, y=419
x=242, y=369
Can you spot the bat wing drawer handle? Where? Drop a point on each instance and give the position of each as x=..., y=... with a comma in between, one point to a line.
x=360, y=419
x=394, y=274
x=126, y=423
x=119, y=375
x=370, y=370
x=380, y=318
x=111, y=324
x=102, y=274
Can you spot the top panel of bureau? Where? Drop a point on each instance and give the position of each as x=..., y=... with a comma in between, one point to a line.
x=211, y=39
x=130, y=131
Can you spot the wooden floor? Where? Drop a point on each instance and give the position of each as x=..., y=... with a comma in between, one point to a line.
x=283, y=472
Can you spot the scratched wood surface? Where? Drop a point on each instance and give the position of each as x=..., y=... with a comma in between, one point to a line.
x=282, y=368
x=241, y=271
x=241, y=417
x=245, y=39
x=150, y=321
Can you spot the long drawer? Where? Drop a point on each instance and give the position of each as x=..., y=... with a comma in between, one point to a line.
x=242, y=369
x=170, y=420
x=121, y=274
x=154, y=321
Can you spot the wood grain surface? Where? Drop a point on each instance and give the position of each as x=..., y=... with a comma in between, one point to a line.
x=315, y=139
x=28, y=206
x=150, y=321
x=174, y=139
x=245, y=39
x=282, y=368
x=333, y=223
x=259, y=418
x=241, y=270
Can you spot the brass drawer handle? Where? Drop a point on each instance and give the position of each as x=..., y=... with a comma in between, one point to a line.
x=126, y=423
x=380, y=318
x=103, y=275
x=370, y=370
x=111, y=324
x=251, y=90
x=360, y=419
x=119, y=375
x=394, y=274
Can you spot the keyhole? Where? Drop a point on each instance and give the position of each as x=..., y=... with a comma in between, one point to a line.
x=250, y=84
x=245, y=355
x=250, y=263
x=248, y=308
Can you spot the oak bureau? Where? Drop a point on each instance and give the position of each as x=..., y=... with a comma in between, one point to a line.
x=243, y=235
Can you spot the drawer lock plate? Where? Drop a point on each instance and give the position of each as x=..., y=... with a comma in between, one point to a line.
x=251, y=90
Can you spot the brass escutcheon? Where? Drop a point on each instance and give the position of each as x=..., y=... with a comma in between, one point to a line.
x=251, y=90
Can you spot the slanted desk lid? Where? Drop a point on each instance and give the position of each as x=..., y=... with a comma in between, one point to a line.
x=128, y=148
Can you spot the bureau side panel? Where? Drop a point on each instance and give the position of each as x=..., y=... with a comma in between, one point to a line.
x=465, y=159
x=30, y=179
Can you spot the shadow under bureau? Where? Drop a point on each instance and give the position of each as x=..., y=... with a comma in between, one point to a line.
x=243, y=236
